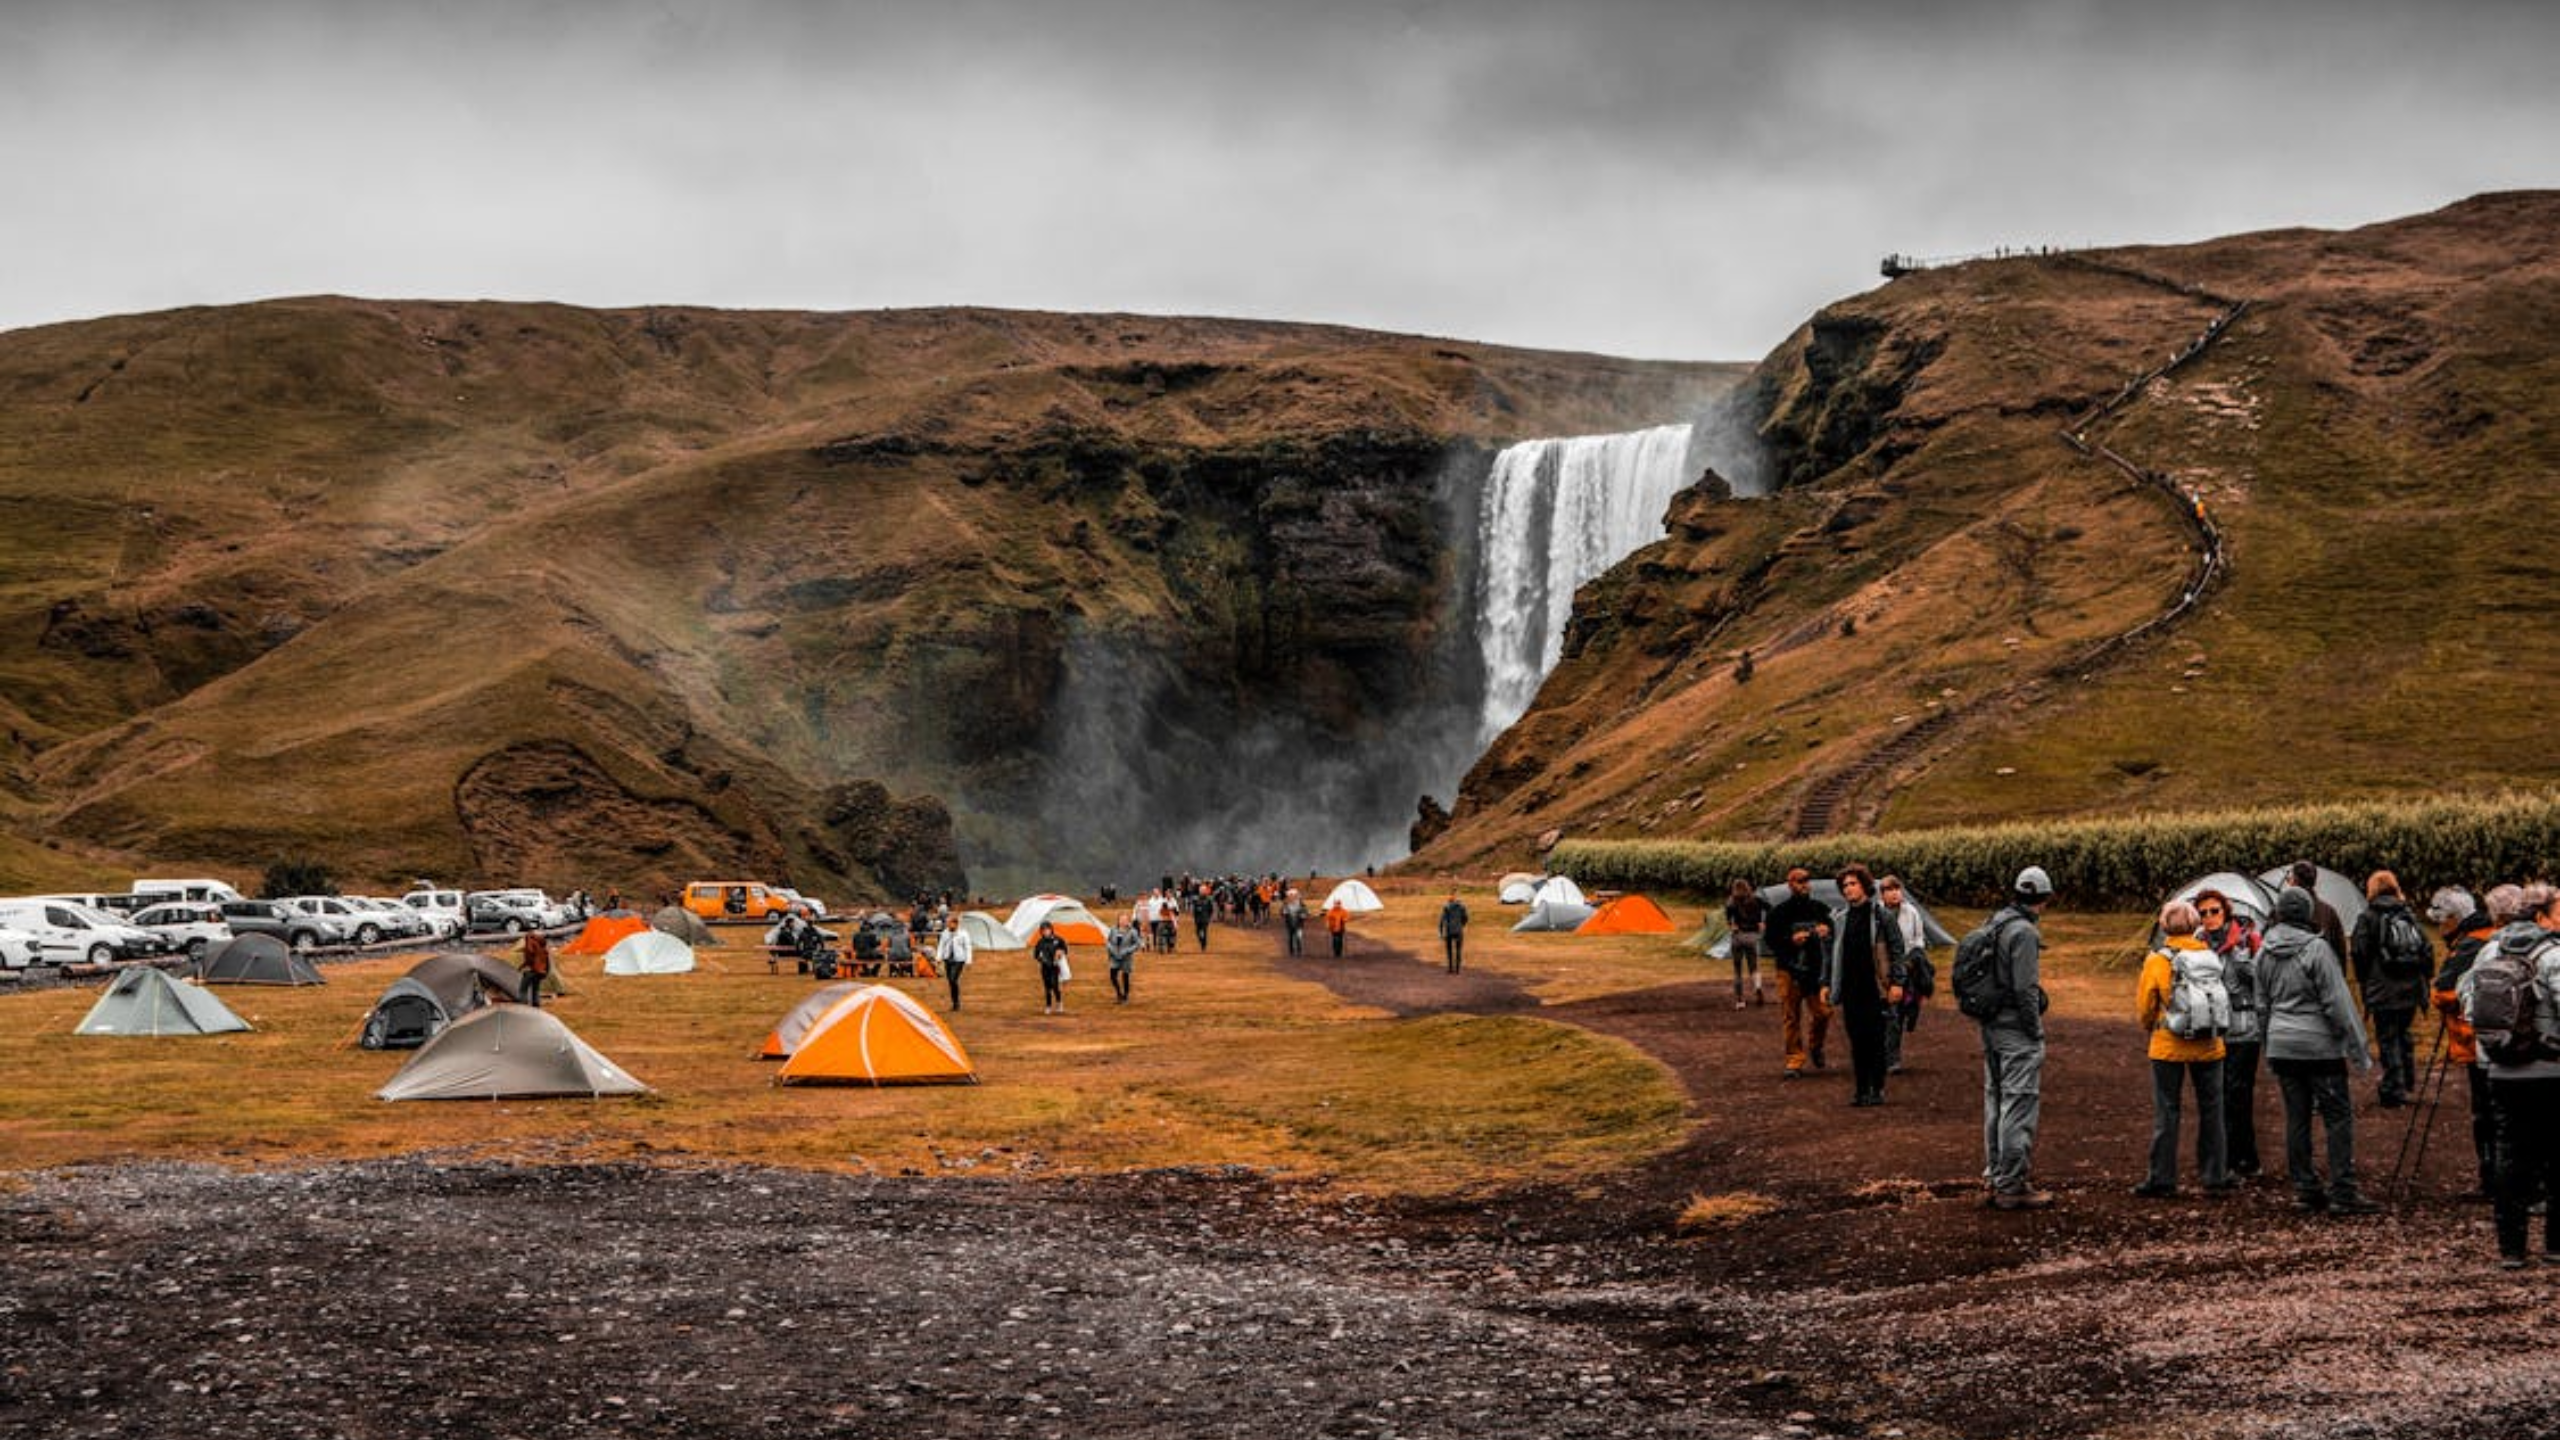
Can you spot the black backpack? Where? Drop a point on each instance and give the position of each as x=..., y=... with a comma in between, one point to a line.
x=2505, y=1005
x=2405, y=953
x=1980, y=981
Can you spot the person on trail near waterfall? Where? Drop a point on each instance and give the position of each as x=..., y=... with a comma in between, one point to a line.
x=2228, y=934
x=1453, y=933
x=1050, y=950
x=1799, y=930
x=952, y=953
x=1337, y=920
x=1743, y=916
x=1862, y=979
x=1919, y=979
x=1120, y=951
x=2313, y=1036
x=2393, y=961
x=1293, y=921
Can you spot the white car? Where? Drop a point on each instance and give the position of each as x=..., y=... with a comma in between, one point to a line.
x=19, y=949
x=357, y=920
x=193, y=928
x=68, y=934
x=399, y=922
x=815, y=907
x=443, y=921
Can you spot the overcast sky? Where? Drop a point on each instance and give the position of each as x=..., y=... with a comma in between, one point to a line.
x=1682, y=180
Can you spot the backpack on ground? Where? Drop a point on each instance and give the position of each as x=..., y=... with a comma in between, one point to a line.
x=2406, y=955
x=2199, y=1005
x=1980, y=981
x=2505, y=1007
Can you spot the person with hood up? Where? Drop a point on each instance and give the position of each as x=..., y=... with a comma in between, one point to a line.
x=2178, y=1062
x=1863, y=979
x=1120, y=952
x=2313, y=1036
x=2466, y=926
x=2393, y=962
x=2524, y=1077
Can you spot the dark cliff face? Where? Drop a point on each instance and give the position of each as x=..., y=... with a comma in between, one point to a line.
x=1311, y=676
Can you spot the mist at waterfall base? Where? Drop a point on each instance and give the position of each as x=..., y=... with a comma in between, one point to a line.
x=1144, y=777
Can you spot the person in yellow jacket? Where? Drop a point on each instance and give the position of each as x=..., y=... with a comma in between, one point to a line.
x=2180, y=1061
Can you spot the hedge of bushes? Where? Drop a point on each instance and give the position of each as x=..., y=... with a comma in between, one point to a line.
x=2126, y=863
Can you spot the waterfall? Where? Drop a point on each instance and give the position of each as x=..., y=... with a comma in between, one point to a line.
x=1556, y=513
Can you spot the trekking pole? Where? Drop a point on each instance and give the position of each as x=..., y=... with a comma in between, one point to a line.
x=2404, y=1171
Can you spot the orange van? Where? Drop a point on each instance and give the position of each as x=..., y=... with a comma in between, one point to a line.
x=718, y=900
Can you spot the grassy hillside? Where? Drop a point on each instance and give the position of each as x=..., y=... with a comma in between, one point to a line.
x=2374, y=435
x=491, y=590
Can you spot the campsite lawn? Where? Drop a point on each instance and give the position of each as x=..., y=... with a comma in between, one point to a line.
x=1222, y=1059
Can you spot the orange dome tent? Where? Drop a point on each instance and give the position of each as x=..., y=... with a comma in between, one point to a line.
x=877, y=1036
x=602, y=932
x=1627, y=915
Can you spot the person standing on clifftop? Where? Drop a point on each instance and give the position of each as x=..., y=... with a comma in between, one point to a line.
x=1799, y=937
x=1453, y=932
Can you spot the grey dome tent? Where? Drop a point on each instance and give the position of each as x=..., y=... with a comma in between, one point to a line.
x=507, y=1052
x=1555, y=915
x=2247, y=896
x=142, y=1001
x=255, y=960
x=2344, y=895
x=683, y=924
x=436, y=991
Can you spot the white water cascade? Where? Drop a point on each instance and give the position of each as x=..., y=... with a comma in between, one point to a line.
x=1556, y=513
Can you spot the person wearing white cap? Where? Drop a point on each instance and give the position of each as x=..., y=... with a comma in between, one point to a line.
x=2013, y=1048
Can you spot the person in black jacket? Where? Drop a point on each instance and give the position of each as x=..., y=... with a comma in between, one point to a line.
x=1453, y=932
x=1799, y=939
x=1050, y=950
x=1863, y=979
x=1204, y=907
x=2393, y=986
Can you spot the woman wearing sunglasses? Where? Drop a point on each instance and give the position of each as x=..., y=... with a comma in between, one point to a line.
x=2229, y=934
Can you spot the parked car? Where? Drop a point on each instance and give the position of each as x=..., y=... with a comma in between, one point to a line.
x=810, y=905
x=442, y=906
x=193, y=928
x=202, y=891
x=68, y=933
x=356, y=917
x=739, y=900
x=513, y=911
x=274, y=917
x=19, y=949
x=399, y=922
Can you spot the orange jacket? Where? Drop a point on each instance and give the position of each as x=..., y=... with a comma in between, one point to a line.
x=2151, y=1006
x=1336, y=918
x=2460, y=951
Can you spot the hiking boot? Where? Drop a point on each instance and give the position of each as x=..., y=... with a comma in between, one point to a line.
x=2391, y=1102
x=1741, y=1005
x=1818, y=1062
x=2311, y=1200
x=2027, y=1199
x=1791, y=1073
x=2221, y=1189
x=2511, y=1262
x=2350, y=1203
x=2148, y=1191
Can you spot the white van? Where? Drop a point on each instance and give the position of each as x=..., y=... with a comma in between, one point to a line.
x=200, y=892
x=69, y=934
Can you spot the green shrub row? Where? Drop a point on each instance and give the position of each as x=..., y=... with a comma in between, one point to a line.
x=2122, y=863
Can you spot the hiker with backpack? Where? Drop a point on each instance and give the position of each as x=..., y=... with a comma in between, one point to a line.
x=1743, y=916
x=2393, y=961
x=535, y=962
x=2313, y=1036
x=2467, y=927
x=2511, y=997
x=1997, y=979
x=2182, y=1002
x=2228, y=934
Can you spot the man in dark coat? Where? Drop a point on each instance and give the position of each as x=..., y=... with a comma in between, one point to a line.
x=1799, y=941
x=1453, y=931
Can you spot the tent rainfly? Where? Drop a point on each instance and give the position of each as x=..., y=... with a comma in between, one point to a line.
x=255, y=960
x=507, y=1052
x=1356, y=897
x=793, y=1027
x=1627, y=915
x=142, y=1001
x=651, y=952
x=683, y=924
x=602, y=932
x=1559, y=889
x=1554, y=915
x=877, y=1036
x=986, y=932
x=1076, y=924
x=408, y=1015
x=1517, y=888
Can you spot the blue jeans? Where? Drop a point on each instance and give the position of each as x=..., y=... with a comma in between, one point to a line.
x=2012, y=1101
x=2169, y=1081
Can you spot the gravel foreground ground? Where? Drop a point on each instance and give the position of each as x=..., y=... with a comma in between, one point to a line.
x=411, y=1297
